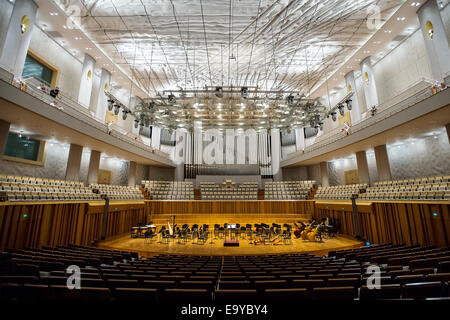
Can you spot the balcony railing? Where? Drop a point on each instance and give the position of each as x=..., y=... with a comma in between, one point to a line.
x=416, y=93
x=69, y=106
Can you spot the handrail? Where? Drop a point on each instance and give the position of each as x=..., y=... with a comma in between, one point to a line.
x=66, y=104
x=414, y=94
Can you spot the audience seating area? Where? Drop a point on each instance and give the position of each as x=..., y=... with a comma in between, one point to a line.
x=19, y=188
x=169, y=190
x=428, y=188
x=229, y=190
x=343, y=192
x=406, y=272
x=115, y=192
x=288, y=190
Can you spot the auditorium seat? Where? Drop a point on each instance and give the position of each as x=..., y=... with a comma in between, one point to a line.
x=236, y=294
x=287, y=294
x=134, y=294
x=182, y=294
x=424, y=290
x=57, y=292
x=334, y=293
x=386, y=291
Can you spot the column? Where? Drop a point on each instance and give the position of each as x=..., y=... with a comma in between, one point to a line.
x=102, y=101
x=87, y=78
x=299, y=139
x=16, y=41
x=4, y=132
x=355, y=113
x=436, y=40
x=132, y=174
x=324, y=174
x=363, y=168
x=382, y=160
x=74, y=162
x=447, y=128
x=180, y=154
x=369, y=85
x=94, y=165
x=156, y=137
x=276, y=154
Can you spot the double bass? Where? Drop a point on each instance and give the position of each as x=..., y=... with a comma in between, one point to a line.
x=308, y=229
x=300, y=228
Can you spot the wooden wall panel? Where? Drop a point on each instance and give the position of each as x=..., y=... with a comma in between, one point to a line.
x=424, y=223
x=229, y=206
x=60, y=223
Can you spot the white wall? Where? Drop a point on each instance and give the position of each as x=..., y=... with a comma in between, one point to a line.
x=402, y=67
x=69, y=67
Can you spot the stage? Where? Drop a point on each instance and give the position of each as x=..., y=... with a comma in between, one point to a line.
x=126, y=243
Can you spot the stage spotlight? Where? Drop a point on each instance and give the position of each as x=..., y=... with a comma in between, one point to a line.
x=341, y=109
x=312, y=123
x=333, y=116
x=141, y=124
x=110, y=104
x=219, y=92
x=152, y=106
x=290, y=100
x=116, y=109
x=244, y=92
x=172, y=99
x=321, y=126
x=349, y=104
x=124, y=114
x=136, y=123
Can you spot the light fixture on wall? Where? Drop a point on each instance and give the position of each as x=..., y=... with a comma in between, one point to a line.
x=172, y=99
x=349, y=103
x=110, y=104
x=333, y=116
x=219, y=92
x=124, y=114
x=136, y=124
x=116, y=109
x=341, y=109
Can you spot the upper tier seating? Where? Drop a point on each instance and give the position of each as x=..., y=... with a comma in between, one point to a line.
x=19, y=188
x=411, y=272
x=115, y=192
x=169, y=190
x=288, y=190
x=429, y=188
x=228, y=190
x=343, y=192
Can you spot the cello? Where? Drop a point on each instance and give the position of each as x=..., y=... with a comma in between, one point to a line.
x=300, y=228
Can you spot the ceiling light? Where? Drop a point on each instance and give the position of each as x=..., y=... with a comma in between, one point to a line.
x=88, y=49
x=387, y=31
x=78, y=38
x=415, y=4
x=219, y=92
x=53, y=13
x=244, y=92
x=401, y=18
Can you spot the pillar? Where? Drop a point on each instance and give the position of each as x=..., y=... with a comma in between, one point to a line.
x=363, y=168
x=16, y=41
x=350, y=83
x=86, y=81
x=382, y=160
x=156, y=137
x=276, y=154
x=94, y=165
x=102, y=101
x=369, y=85
x=324, y=174
x=299, y=139
x=74, y=162
x=435, y=37
x=4, y=132
x=132, y=174
x=180, y=153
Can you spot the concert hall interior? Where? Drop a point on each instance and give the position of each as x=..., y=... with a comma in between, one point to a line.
x=237, y=150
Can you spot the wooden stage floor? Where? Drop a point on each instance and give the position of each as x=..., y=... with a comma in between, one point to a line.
x=126, y=243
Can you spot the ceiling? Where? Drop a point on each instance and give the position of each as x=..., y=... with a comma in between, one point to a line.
x=283, y=44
